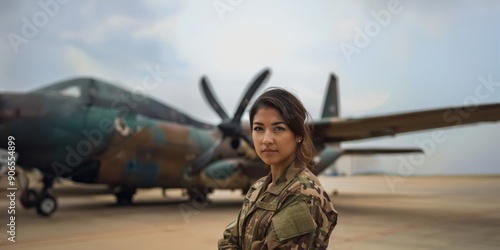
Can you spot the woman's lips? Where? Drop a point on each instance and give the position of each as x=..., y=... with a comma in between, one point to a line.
x=269, y=151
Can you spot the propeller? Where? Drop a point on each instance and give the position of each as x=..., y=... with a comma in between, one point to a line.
x=230, y=127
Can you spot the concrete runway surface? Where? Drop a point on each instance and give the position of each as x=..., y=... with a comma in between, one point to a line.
x=375, y=212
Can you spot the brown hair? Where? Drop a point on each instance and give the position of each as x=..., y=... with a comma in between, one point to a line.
x=295, y=115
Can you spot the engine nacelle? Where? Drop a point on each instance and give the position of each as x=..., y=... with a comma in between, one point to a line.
x=325, y=158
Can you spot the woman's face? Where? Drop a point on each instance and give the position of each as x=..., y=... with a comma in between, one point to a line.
x=274, y=141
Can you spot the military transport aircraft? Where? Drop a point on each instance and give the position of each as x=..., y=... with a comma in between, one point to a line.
x=90, y=131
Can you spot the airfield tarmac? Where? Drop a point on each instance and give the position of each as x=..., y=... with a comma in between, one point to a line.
x=374, y=213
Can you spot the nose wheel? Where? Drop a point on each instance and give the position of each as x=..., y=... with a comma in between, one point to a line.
x=45, y=203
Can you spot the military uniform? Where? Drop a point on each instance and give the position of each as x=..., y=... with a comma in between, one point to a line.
x=293, y=213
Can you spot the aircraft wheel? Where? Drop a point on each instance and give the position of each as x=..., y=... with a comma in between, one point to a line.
x=244, y=191
x=123, y=201
x=197, y=194
x=124, y=196
x=29, y=198
x=47, y=205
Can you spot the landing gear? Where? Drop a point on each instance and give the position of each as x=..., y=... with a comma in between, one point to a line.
x=28, y=198
x=199, y=194
x=244, y=191
x=45, y=203
x=124, y=195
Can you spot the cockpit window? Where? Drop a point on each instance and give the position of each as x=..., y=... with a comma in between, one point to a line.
x=93, y=92
x=71, y=88
x=71, y=91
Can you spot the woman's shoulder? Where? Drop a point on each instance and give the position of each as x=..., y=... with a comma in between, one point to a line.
x=307, y=184
x=308, y=191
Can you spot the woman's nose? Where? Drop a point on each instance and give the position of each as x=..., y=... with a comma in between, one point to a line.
x=267, y=138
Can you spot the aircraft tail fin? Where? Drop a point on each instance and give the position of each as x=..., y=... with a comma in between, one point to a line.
x=331, y=105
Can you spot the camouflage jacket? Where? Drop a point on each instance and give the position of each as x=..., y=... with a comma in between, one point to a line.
x=293, y=213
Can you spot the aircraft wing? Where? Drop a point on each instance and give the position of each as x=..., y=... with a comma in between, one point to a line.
x=371, y=151
x=339, y=129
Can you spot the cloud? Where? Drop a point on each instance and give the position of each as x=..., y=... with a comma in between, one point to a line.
x=364, y=103
x=100, y=33
x=81, y=63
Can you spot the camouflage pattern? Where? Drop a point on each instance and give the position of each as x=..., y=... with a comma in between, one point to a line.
x=94, y=132
x=295, y=212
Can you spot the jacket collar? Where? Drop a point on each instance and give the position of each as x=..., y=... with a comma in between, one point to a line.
x=286, y=177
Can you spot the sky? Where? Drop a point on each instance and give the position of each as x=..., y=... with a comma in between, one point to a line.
x=389, y=57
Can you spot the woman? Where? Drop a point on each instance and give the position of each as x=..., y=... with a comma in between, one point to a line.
x=288, y=208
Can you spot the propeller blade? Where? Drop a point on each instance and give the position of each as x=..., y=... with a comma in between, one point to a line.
x=249, y=94
x=212, y=100
x=200, y=163
x=228, y=127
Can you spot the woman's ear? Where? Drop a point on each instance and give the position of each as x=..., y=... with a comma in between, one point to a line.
x=299, y=139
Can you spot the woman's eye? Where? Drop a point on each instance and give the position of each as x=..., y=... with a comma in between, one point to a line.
x=279, y=129
x=257, y=129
